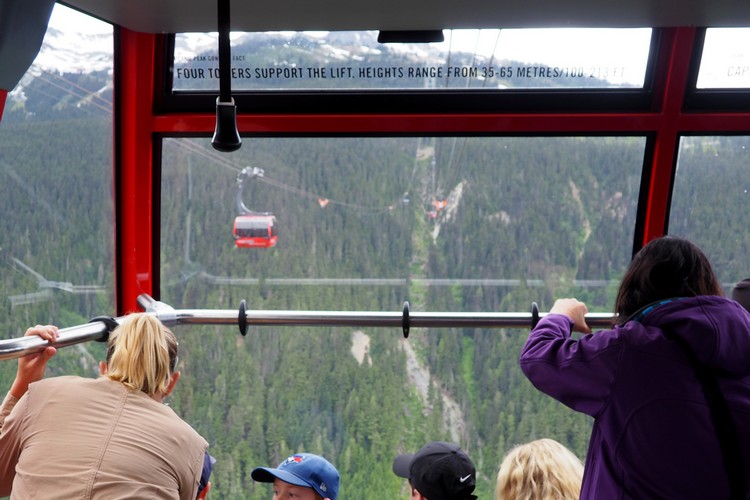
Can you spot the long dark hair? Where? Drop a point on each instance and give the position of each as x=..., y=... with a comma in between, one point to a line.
x=666, y=267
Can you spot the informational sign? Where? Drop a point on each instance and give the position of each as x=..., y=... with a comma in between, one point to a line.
x=400, y=75
x=354, y=60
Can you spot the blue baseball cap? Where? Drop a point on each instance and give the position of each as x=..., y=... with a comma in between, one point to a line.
x=303, y=469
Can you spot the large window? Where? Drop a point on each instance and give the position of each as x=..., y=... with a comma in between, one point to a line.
x=711, y=188
x=56, y=188
x=444, y=214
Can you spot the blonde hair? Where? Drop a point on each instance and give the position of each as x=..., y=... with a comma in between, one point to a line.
x=141, y=354
x=540, y=470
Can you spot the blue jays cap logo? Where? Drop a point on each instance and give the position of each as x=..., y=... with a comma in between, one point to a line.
x=296, y=459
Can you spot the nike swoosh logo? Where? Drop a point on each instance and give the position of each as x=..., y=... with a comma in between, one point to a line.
x=463, y=479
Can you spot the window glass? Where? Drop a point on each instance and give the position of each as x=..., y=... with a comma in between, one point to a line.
x=56, y=189
x=450, y=224
x=725, y=62
x=711, y=187
x=466, y=59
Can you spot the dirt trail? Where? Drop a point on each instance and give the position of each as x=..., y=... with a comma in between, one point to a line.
x=420, y=377
x=361, y=347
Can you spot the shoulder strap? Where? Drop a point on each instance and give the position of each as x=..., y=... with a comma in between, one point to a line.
x=725, y=428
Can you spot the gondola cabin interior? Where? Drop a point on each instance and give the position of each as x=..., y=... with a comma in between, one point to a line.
x=464, y=156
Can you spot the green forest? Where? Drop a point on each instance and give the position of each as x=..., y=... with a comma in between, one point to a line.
x=551, y=213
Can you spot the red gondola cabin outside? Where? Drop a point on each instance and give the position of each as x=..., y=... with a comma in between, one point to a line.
x=255, y=231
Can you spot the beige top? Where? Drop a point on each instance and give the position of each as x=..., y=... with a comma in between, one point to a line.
x=74, y=437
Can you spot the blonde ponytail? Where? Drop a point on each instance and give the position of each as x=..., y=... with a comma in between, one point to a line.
x=141, y=354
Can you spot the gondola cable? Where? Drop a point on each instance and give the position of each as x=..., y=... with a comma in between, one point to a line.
x=323, y=201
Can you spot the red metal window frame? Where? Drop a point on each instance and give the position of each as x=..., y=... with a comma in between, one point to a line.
x=137, y=128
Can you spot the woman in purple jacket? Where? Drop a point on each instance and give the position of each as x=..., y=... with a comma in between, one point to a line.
x=653, y=434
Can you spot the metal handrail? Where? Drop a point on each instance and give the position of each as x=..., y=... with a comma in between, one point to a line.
x=99, y=330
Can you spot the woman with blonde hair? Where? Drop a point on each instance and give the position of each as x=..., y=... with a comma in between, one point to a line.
x=540, y=470
x=111, y=437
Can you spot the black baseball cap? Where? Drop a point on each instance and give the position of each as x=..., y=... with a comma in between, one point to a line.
x=439, y=471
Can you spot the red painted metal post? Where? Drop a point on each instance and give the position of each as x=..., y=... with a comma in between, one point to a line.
x=135, y=226
x=3, y=95
x=671, y=85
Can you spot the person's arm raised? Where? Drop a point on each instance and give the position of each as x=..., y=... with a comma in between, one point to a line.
x=32, y=366
x=30, y=369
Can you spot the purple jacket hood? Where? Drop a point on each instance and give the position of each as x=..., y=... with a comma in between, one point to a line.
x=716, y=329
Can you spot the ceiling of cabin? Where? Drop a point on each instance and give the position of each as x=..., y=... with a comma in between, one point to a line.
x=173, y=16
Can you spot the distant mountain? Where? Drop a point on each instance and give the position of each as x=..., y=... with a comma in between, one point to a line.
x=69, y=52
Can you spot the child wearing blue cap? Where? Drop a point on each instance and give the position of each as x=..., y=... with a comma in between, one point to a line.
x=302, y=476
